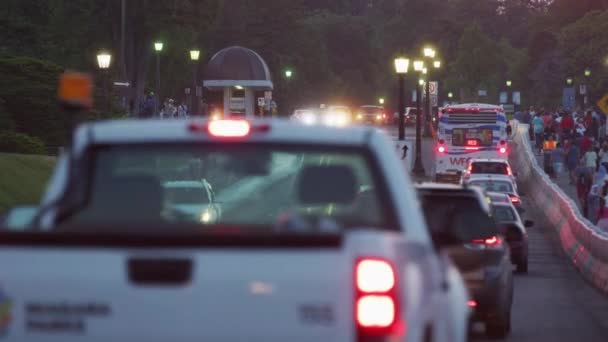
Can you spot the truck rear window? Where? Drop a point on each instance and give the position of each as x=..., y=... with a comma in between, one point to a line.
x=262, y=186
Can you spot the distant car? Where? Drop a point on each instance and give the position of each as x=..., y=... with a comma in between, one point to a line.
x=491, y=285
x=489, y=166
x=498, y=197
x=410, y=116
x=337, y=116
x=514, y=230
x=306, y=116
x=371, y=115
x=194, y=199
x=497, y=183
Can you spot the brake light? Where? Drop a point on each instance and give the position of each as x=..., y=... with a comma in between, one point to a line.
x=375, y=276
x=384, y=115
x=441, y=149
x=509, y=172
x=493, y=241
x=229, y=128
x=503, y=150
x=471, y=303
x=376, y=305
x=514, y=199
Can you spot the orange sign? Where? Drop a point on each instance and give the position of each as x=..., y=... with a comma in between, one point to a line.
x=76, y=90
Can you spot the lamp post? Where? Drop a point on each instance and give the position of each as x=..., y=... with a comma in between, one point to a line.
x=569, y=81
x=418, y=167
x=381, y=101
x=289, y=74
x=103, y=62
x=587, y=73
x=194, y=101
x=402, y=64
x=158, y=48
x=430, y=53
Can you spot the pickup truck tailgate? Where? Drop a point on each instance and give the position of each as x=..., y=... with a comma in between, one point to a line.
x=192, y=294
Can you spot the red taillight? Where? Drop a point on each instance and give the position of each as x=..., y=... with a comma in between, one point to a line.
x=514, y=199
x=441, y=149
x=493, y=241
x=502, y=142
x=471, y=303
x=375, y=276
x=383, y=115
x=441, y=141
x=503, y=150
x=376, y=306
x=229, y=128
x=509, y=172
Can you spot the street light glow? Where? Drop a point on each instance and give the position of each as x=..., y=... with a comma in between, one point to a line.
x=421, y=81
x=158, y=46
x=569, y=81
x=418, y=65
x=381, y=100
x=238, y=87
x=429, y=52
x=288, y=73
x=587, y=72
x=195, y=54
x=425, y=71
x=402, y=64
x=103, y=60
x=437, y=64
x=450, y=95
x=509, y=83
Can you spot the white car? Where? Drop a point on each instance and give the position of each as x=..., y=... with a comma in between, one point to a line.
x=193, y=198
x=320, y=238
x=485, y=166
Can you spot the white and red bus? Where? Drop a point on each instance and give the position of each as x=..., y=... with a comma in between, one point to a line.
x=466, y=131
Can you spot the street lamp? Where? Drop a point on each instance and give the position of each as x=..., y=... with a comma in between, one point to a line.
x=158, y=47
x=288, y=73
x=104, y=59
x=381, y=100
x=195, y=54
x=402, y=65
x=587, y=72
x=437, y=64
x=569, y=81
x=429, y=52
x=418, y=169
x=450, y=95
x=509, y=83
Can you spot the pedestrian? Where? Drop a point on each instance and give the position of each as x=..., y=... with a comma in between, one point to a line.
x=567, y=126
x=603, y=154
x=572, y=158
x=583, y=185
x=585, y=144
x=539, y=129
x=590, y=158
x=557, y=157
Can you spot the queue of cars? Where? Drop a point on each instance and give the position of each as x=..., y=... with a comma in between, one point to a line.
x=282, y=231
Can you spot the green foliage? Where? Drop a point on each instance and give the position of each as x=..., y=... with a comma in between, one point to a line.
x=28, y=88
x=13, y=142
x=23, y=179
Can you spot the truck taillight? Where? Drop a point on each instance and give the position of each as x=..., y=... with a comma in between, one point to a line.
x=509, y=172
x=376, y=304
x=503, y=150
x=491, y=242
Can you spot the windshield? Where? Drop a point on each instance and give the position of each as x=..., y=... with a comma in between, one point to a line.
x=493, y=185
x=489, y=167
x=444, y=211
x=504, y=213
x=254, y=185
x=472, y=137
x=186, y=195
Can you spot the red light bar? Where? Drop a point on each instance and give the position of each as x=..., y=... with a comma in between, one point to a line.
x=471, y=148
x=472, y=142
x=229, y=128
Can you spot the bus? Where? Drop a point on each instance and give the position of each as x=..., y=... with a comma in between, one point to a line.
x=467, y=131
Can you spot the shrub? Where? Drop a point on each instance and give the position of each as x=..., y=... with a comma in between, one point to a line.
x=14, y=142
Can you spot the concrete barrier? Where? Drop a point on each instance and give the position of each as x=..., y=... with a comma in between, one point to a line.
x=583, y=243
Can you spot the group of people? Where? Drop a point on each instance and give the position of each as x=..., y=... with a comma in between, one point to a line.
x=578, y=142
x=170, y=111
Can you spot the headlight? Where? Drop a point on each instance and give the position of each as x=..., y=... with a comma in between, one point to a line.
x=359, y=116
x=216, y=116
x=309, y=119
x=378, y=117
x=208, y=216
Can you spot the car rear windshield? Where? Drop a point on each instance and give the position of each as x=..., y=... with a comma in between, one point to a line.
x=489, y=167
x=503, y=213
x=263, y=186
x=494, y=185
x=459, y=212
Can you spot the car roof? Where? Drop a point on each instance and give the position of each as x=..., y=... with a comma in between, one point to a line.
x=488, y=160
x=439, y=186
x=184, y=184
x=490, y=176
x=178, y=131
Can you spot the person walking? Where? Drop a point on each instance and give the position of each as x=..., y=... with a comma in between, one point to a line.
x=583, y=185
x=539, y=128
x=567, y=126
x=557, y=157
x=590, y=158
x=573, y=155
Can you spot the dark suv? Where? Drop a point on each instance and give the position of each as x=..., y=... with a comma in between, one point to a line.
x=491, y=285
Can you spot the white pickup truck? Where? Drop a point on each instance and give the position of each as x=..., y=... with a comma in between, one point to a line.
x=325, y=241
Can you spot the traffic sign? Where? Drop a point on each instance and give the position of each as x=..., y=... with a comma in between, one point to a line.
x=603, y=104
x=502, y=97
x=261, y=101
x=516, y=98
